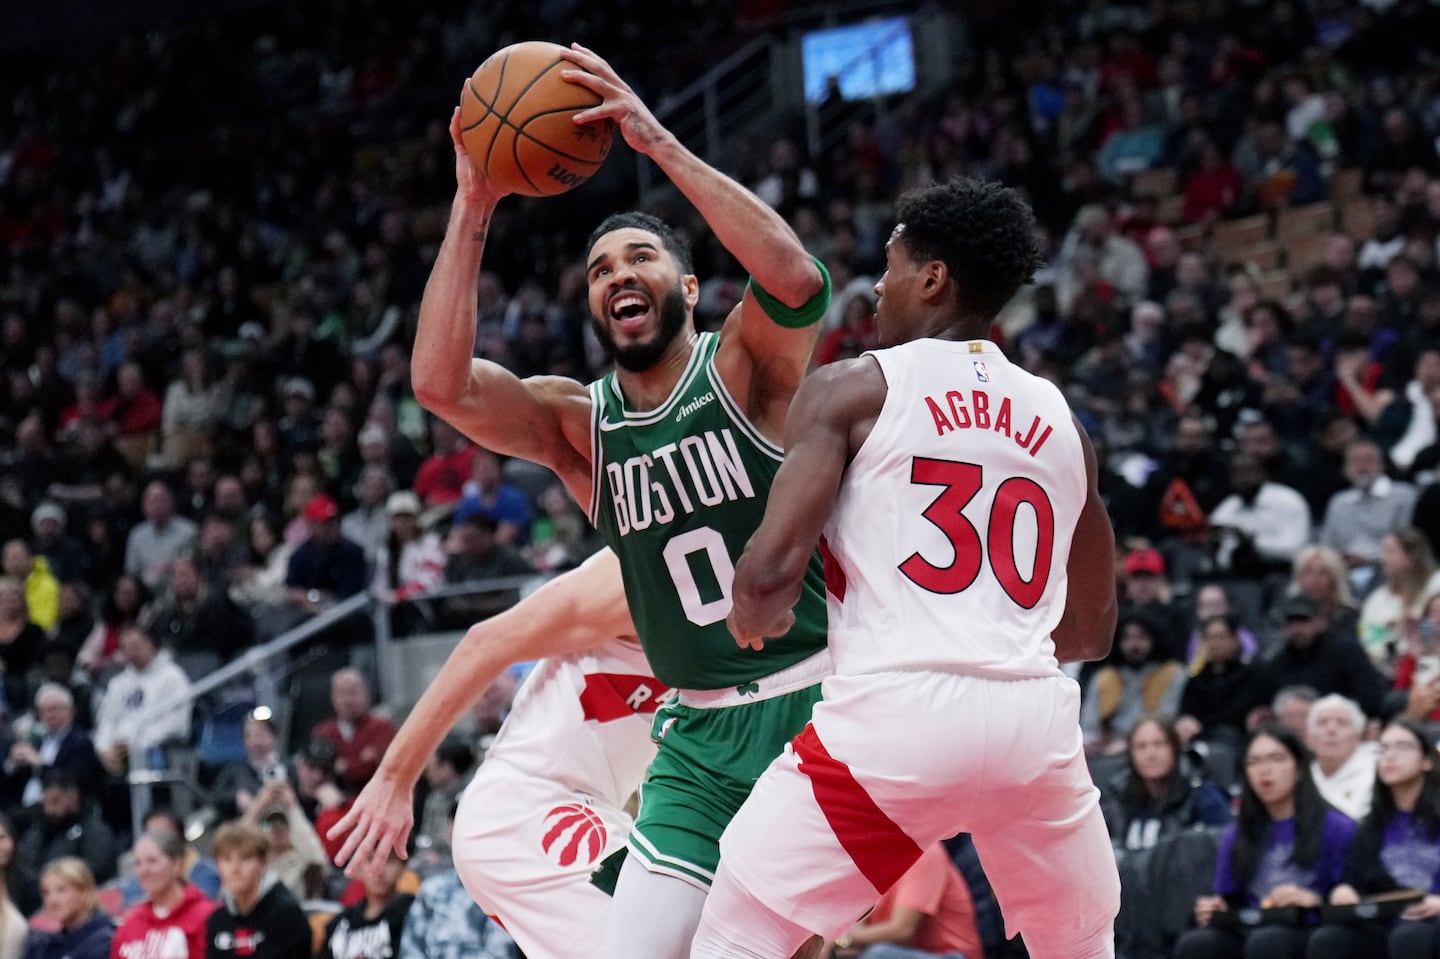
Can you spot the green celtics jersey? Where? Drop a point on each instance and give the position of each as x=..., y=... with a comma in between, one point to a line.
x=679, y=490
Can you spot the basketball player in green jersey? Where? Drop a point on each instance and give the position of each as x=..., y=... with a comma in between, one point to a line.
x=673, y=454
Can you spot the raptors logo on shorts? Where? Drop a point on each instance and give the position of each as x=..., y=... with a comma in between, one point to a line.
x=573, y=835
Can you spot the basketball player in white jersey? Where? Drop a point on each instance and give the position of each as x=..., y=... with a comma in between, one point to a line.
x=547, y=805
x=967, y=554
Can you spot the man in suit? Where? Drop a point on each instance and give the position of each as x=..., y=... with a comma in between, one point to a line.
x=53, y=743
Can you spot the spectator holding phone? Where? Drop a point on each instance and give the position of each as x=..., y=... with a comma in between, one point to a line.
x=296, y=855
x=238, y=782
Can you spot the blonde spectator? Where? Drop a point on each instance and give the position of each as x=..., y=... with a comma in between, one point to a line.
x=1319, y=572
x=174, y=910
x=193, y=404
x=1407, y=575
x=42, y=589
x=82, y=930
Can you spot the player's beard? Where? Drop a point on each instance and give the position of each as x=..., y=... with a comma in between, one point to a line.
x=639, y=357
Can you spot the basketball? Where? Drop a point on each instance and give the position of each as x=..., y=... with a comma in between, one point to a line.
x=515, y=122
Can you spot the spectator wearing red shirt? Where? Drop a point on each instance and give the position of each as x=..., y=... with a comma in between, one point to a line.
x=1213, y=187
x=134, y=408
x=360, y=737
x=928, y=912
x=170, y=923
x=441, y=478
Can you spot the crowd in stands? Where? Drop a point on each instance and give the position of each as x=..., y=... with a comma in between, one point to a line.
x=208, y=433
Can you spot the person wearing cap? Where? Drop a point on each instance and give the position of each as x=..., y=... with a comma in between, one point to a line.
x=411, y=561
x=296, y=856
x=65, y=557
x=298, y=426
x=1146, y=593
x=326, y=567
x=1314, y=655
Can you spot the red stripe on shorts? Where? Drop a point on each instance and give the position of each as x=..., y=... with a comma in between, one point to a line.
x=880, y=849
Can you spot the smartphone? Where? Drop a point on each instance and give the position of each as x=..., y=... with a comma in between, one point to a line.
x=275, y=773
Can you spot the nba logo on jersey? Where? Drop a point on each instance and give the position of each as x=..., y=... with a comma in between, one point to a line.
x=573, y=834
x=981, y=373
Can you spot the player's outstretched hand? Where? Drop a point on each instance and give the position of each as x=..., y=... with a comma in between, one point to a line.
x=620, y=103
x=378, y=821
x=470, y=181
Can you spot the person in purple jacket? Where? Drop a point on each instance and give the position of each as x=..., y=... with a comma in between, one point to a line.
x=1286, y=848
x=1397, y=847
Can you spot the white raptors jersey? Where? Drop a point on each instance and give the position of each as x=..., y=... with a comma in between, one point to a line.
x=583, y=721
x=948, y=544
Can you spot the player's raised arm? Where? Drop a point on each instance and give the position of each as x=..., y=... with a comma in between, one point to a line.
x=1087, y=627
x=829, y=420
x=483, y=400
x=573, y=612
x=776, y=323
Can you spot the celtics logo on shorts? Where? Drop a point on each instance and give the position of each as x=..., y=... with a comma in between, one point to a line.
x=574, y=835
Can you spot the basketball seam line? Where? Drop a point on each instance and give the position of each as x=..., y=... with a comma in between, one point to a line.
x=521, y=132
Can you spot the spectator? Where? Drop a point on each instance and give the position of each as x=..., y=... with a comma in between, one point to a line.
x=315, y=787
x=124, y=607
x=64, y=557
x=153, y=545
x=445, y=923
x=296, y=855
x=928, y=912
x=128, y=729
x=170, y=923
x=367, y=524
x=65, y=826
x=200, y=627
x=326, y=567
x=77, y=617
x=1344, y=767
x=1212, y=600
x=1408, y=575
x=21, y=886
x=1146, y=593
x=1156, y=795
x=298, y=428
x=1291, y=709
x=134, y=413
x=1286, y=848
x=193, y=406
x=20, y=642
x=1139, y=680
x=440, y=480
x=1314, y=655
x=41, y=588
x=239, y=782
x=412, y=560
x=447, y=773
x=1260, y=525
x=82, y=929
x=359, y=736
x=13, y=931
x=1395, y=848
x=1117, y=261
x=1319, y=573
x=218, y=555
x=257, y=916
x=1357, y=519
x=486, y=493
x=476, y=556
x=1219, y=696
x=370, y=929
x=52, y=743
x=197, y=870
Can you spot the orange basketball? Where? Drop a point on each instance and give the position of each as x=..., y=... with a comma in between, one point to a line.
x=515, y=122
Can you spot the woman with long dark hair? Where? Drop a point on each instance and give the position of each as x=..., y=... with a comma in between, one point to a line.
x=1396, y=847
x=1286, y=848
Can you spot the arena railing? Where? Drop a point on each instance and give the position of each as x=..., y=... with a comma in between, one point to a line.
x=267, y=666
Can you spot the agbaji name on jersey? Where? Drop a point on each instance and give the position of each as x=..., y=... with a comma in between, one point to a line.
x=975, y=409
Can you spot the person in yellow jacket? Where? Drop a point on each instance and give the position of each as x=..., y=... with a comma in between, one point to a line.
x=1136, y=682
x=42, y=589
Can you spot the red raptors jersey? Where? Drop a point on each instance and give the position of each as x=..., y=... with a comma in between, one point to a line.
x=583, y=722
x=948, y=544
